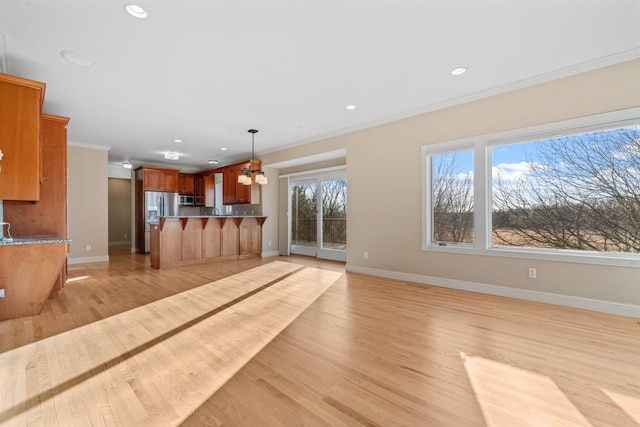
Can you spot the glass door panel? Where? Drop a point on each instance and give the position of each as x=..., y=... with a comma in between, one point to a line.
x=304, y=218
x=333, y=219
x=319, y=216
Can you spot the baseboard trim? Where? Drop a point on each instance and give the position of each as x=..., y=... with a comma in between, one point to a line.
x=603, y=306
x=270, y=254
x=87, y=259
x=123, y=243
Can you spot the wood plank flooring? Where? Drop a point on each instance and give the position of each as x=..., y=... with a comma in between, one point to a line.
x=366, y=351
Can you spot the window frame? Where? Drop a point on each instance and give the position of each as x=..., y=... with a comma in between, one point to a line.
x=482, y=157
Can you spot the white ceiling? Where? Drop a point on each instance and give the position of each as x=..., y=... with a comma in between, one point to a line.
x=207, y=71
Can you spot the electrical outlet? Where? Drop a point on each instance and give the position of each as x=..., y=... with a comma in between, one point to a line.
x=532, y=273
x=125, y=235
x=88, y=247
x=366, y=255
x=269, y=243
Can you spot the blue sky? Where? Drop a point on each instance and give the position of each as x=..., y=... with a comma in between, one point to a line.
x=509, y=161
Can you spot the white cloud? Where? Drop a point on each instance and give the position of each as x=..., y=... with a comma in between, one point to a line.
x=511, y=172
x=462, y=176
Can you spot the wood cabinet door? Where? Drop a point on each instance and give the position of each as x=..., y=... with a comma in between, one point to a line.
x=188, y=184
x=181, y=183
x=198, y=189
x=20, y=114
x=209, y=190
x=229, y=183
x=49, y=215
x=153, y=180
x=170, y=181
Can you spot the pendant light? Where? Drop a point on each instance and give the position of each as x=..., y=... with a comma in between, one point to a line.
x=245, y=176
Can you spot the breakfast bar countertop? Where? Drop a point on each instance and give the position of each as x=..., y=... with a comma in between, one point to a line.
x=34, y=240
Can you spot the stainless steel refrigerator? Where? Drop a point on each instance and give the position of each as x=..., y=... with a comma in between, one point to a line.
x=157, y=204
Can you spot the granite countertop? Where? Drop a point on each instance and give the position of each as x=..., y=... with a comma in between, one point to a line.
x=34, y=240
x=215, y=216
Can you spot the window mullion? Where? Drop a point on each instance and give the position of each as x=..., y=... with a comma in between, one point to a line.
x=480, y=195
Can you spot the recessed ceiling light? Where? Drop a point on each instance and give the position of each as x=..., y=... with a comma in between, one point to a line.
x=213, y=162
x=77, y=58
x=458, y=71
x=351, y=107
x=170, y=155
x=126, y=165
x=223, y=149
x=136, y=11
x=177, y=141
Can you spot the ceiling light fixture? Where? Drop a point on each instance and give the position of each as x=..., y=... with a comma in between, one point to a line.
x=126, y=165
x=245, y=175
x=223, y=149
x=350, y=107
x=213, y=162
x=170, y=155
x=458, y=71
x=136, y=11
x=77, y=58
x=177, y=141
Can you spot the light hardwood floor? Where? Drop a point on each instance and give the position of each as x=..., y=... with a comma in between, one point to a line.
x=366, y=351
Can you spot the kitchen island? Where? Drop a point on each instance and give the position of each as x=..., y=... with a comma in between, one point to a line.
x=187, y=240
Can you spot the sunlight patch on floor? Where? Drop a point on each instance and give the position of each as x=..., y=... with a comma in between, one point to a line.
x=510, y=396
x=156, y=364
x=75, y=279
x=629, y=404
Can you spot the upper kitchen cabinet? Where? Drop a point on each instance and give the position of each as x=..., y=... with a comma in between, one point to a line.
x=198, y=189
x=186, y=183
x=210, y=189
x=21, y=103
x=158, y=179
x=235, y=193
x=48, y=217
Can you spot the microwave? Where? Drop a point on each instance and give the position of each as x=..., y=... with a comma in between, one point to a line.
x=185, y=199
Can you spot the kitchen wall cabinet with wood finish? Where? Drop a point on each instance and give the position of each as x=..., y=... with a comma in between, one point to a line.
x=158, y=179
x=235, y=193
x=210, y=189
x=186, y=183
x=198, y=189
x=21, y=102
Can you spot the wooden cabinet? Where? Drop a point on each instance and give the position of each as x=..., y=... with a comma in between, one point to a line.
x=198, y=189
x=250, y=237
x=186, y=183
x=210, y=190
x=159, y=179
x=21, y=103
x=229, y=181
x=235, y=193
x=48, y=217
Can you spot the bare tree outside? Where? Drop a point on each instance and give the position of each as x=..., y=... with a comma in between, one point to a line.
x=452, y=197
x=334, y=214
x=577, y=192
x=304, y=226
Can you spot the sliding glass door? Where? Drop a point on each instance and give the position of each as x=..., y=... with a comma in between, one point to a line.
x=319, y=216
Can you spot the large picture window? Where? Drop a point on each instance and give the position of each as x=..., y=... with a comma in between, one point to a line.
x=568, y=189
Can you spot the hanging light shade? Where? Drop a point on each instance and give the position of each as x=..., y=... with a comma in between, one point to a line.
x=246, y=174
